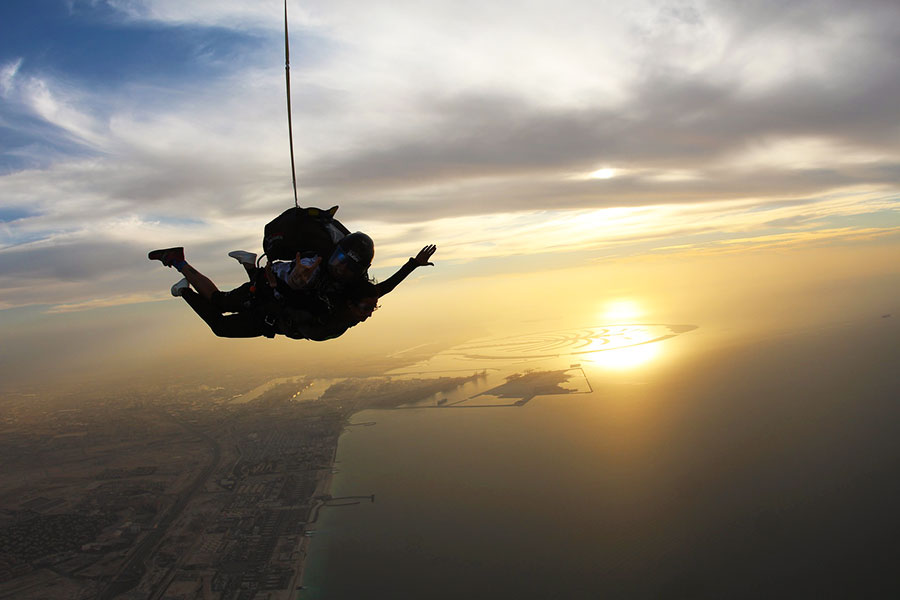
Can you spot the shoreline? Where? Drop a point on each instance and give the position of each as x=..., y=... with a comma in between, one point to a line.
x=323, y=488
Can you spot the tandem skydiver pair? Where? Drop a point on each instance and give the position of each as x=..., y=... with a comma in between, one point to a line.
x=300, y=298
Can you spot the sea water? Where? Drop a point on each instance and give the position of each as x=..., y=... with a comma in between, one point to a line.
x=765, y=468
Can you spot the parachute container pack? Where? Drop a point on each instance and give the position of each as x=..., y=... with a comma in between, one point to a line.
x=303, y=230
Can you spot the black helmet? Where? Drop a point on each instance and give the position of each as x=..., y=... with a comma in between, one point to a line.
x=354, y=253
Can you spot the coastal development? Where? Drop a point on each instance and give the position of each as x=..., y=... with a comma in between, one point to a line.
x=178, y=492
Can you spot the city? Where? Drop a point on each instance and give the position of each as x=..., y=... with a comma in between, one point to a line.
x=181, y=491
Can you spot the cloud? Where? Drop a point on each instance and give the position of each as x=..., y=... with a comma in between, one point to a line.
x=670, y=124
x=234, y=14
x=471, y=123
x=7, y=76
x=111, y=301
x=631, y=230
x=782, y=241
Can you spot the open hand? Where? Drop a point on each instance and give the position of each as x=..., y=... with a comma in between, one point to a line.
x=424, y=254
x=302, y=274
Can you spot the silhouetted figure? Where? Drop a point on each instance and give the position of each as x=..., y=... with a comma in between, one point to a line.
x=298, y=299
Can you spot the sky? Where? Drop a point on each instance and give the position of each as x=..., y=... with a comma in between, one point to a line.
x=520, y=137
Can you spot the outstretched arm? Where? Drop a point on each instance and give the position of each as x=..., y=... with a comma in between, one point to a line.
x=421, y=259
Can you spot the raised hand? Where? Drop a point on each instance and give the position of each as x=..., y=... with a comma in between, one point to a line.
x=424, y=254
x=302, y=274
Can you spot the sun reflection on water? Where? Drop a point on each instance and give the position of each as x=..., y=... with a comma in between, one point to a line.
x=625, y=346
x=511, y=370
x=629, y=357
x=622, y=345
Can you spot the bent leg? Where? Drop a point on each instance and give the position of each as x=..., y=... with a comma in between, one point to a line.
x=203, y=284
x=238, y=325
x=174, y=257
x=237, y=300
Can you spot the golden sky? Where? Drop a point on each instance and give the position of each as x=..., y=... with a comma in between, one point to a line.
x=716, y=163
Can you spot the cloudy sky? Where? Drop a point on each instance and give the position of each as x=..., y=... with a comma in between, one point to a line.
x=557, y=132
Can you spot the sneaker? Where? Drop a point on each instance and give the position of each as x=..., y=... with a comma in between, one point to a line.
x=178, y=288
x=248, y=259
x=167, y=256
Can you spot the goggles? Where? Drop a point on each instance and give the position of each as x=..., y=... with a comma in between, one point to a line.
x=348, y=259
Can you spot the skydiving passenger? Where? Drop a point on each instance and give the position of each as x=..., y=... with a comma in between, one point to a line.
x=298, y=299
x=304, y=279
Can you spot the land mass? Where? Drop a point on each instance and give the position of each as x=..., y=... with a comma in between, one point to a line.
x=175, y=491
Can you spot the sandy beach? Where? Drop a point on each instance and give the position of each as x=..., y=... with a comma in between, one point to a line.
x=323, y=487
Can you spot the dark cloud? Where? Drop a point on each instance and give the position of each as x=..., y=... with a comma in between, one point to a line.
x=811, y=17
x=74, y=260
x=673, y=120
x=771, y=186
x=689, y=128
x=85, y=258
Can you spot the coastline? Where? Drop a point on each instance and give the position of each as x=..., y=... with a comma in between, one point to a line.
x=323, y=488
x=413, y=391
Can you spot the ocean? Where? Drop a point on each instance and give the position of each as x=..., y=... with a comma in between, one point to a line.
x=710, y=467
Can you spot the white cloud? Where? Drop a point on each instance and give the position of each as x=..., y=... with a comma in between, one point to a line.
x=236, y=14
x=60, y=108
x=458, y=121
x=7, y=76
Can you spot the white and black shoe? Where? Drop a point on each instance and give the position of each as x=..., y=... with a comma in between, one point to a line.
x=178, y=288
x=248, y=259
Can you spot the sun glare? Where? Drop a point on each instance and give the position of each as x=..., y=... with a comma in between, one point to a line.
x=626, y=358
x=604, y=173
x=624, y=348
x=621, y=311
